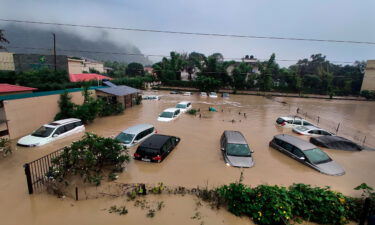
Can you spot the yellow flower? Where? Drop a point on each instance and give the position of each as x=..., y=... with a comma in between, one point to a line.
x=284, y=212
x=260, y=213
x=258, y=218
x=342, y=200
x=281, y=207
x=287, y=217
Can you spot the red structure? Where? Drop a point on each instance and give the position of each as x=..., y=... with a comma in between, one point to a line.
x=9, y=89
x=87, y=77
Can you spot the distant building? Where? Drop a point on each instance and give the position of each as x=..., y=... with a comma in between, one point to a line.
x=6, y=61
x=368, y=82
x=80, y=65
x=25, y=62
x=186, y=76
x=87, y=77
x=149, y=70
x=10, y=89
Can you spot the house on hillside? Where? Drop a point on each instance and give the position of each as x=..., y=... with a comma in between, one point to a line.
x=6, y=61
x=78, y=65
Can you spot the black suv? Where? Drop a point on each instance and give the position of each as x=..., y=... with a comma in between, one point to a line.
x=156, y=148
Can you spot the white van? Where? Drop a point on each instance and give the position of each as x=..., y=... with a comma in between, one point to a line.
x=51, y=132
x=184, y=106
x=135, y=134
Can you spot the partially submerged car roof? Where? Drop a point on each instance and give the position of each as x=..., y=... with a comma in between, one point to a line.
x=137, y=128
x=336, y=142
x=184, y=102
x=156, y=141
x=234, y=137
x=64, y=121
x=171, y=110
x=299, y=143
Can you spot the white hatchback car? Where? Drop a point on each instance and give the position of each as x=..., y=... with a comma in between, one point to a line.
x=169, y=114
x=292, y=121
x=51, y=132
x=187, y=93
x=311, y=131
x=213, y=95
x=203, y=94
x=184, y=106
x=135, y=134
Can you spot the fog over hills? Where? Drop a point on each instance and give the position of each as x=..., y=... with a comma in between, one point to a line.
x=25, y=39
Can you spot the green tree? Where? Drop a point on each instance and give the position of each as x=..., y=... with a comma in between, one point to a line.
x=206, y=84
x=135, y=69
x=240, y=74
x=267, y=69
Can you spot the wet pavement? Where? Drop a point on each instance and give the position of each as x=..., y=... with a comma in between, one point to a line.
x=197, y=160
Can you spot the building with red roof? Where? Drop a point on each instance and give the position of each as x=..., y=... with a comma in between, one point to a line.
x=10, y=89
x=80, y=77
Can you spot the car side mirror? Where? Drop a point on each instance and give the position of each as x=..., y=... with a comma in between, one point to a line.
x=55, y=135
x=222, y=149
x=251, y=151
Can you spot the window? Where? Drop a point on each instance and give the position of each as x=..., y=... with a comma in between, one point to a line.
x=297, y=122
x=238, y=150
x=298, y=152
x=287, y=146
x=125, y=138
x=43, y=131
x=317, y=156
x=325, y=133
x=177, y=112
x=307, y=123
x=60, y=130
x=70, y=126
x=79, y=123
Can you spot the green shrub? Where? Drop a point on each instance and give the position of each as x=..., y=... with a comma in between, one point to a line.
x=370, y=95
x=192, y=111
x=88, y=158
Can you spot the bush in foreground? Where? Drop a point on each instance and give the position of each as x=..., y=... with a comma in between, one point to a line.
x=89, y=158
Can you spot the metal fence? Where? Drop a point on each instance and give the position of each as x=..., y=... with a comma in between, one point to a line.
x=36, y=170
x=340, y=129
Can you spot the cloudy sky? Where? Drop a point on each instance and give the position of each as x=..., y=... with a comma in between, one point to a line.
x=320, y=19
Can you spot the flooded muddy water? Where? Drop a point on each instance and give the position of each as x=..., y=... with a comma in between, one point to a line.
x=196, y=161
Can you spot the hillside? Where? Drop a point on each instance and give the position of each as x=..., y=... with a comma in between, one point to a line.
x=68, y=43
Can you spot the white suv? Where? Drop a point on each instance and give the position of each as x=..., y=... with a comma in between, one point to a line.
x=292, y=121
x=169, y=114
x=135, y=134
x=51, y=132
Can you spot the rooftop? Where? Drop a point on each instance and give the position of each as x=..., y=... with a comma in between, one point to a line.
x=120, y=90
x=137, y=128
x=156, y=141
x=8, y=88
x=87, y=77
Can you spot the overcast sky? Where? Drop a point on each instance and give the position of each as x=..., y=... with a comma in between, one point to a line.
x=320, y=19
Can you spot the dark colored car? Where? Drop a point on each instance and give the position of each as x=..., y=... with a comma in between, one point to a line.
x=336, y=142
x=307, y=154
x=156, y=148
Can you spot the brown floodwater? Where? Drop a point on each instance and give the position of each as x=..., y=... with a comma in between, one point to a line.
x=196, y=161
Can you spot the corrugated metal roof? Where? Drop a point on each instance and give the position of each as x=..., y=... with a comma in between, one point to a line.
x=43, y=93
x=120, y=90
x=109, y=84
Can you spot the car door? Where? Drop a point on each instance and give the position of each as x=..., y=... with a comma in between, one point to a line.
x=59, y=132
x=69, y=128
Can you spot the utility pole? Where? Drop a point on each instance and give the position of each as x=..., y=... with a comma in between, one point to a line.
x=54, y=51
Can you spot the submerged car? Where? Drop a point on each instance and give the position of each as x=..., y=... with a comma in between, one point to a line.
x=51, y=132
x=236, y=151
x=212, y=95
x=203, y=94
x=187, y=93
x=135, y=134
x=176, y=92
x=150, y=97
x=156, y=148
x=306, y=153
x=336, y=142
x=184, y=106
x=311, y=131
x=292, y=121
x=169, y=114
x=225, y=95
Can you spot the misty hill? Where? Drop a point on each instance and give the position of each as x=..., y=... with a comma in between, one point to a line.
x=73, y=44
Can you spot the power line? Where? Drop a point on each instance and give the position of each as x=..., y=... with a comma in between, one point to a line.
x=151, y=55
x=191, y=33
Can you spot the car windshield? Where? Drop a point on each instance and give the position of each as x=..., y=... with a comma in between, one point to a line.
x=125, y=138
x=317, y=156
x=43, y=132
x=212, y=93
x=166, y=114
x=238, y=150
x=181, y=106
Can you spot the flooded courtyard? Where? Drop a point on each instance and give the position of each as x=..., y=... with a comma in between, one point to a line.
x=196, y=161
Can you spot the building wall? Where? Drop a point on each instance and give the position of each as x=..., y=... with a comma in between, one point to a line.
x=27, y=114
x=6, y=61
x=75, y=66
x=369, y=78
x=25, y=62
